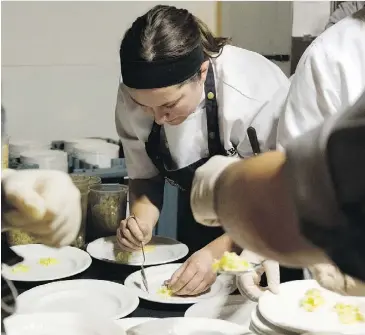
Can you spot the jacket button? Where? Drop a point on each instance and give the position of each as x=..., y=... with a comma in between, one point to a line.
x=210, y=95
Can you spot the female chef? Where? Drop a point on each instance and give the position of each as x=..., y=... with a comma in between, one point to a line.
x=184, y=97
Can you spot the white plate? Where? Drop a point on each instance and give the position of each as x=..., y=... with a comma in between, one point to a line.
x=166, y=250
x=94, y=297
x=233, y=308
x=60, y=324
x=157, y=275
x=128, y=323
x=284, y=311
x=261, y=326
x=71, y=261
x=188, y=326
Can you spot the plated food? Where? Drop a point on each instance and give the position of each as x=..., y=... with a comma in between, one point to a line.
x=347, y=313
x=231, y=262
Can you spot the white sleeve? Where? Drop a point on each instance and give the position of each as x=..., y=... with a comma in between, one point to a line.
x=139, y=165
x=265, y=122
x=314, y=95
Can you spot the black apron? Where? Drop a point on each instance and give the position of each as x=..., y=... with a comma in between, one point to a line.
x=193, y=234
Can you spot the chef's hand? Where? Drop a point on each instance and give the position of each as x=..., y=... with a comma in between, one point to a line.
x=195, y=276
x=202, y=192
x=43, y=203
x=249, y=283
x=331, y=278
x=132, y=233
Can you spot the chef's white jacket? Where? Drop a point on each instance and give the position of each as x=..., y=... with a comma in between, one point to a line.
x=329, y=78
x=251, y=91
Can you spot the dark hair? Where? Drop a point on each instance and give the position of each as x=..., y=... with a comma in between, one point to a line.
x=169, y=32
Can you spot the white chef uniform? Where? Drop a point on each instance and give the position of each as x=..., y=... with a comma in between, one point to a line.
x=329, y=78
x=250, y=92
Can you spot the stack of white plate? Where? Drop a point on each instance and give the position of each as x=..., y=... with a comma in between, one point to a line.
x=16, y=147
x=70, y=144
x=46, y=159
x=96, y=153
x=282, y=314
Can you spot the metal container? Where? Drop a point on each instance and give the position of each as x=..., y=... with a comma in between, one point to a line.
x=80, y=239
x=18, y=237
x=83, y=183
x=107, y=207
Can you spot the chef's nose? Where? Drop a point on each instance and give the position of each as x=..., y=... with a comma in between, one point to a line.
x=160, y=116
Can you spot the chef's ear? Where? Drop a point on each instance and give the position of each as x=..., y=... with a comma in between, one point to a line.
x=204, y=70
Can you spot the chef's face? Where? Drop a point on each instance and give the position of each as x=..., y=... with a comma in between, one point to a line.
x=173, y=104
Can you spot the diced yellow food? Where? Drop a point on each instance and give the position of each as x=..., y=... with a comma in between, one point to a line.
x=48, y=261
x=348, y=314
x=312, y=300
x=164, y=291
x=125, y=256
x=314, y=292
x=20, y=268
x=230, y=261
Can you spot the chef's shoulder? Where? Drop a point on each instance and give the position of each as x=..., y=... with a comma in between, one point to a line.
x=338, y=42
x=249, y=73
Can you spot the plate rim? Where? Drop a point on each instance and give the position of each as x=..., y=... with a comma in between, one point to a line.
x=84, y=254
x=245, y=330
x=189, y=301
x=214, y=300
x=174, y=259
x=43, y=315
x=133, y=295
x=294, y=328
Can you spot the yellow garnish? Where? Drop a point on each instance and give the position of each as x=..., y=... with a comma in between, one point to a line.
x=230, y=261
x=164, y=291
x=312, y=300
x=48, y=261
x=125, y=256
x=348, y=314
x=20, y=268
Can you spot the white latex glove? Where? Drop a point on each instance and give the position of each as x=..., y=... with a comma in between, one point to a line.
x=331, y=278
x=43, y=203
x=202, y=191
x=249, y=283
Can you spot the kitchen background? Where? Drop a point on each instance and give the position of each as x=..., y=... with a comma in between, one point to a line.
x=60, y=66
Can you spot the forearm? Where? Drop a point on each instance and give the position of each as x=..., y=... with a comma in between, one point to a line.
x=222, y=244
x=261, y=216
x=146, y=199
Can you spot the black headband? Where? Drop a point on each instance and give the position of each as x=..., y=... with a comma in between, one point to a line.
x=162, y=73
x=142, y=74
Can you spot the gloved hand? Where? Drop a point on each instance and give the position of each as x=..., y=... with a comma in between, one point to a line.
x=43, y=203
x=249, y=283
x=331, y=278
x=202, y=191
x=132, y=233
x=195, y=276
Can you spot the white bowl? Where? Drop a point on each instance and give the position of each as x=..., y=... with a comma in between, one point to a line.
x=16, y=147
x=46, y=159
x=70, y=144
x=100, y=154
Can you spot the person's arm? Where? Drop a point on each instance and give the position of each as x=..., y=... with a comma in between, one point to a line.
x=261, y=215
x=222, y=244
x=146, y=199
